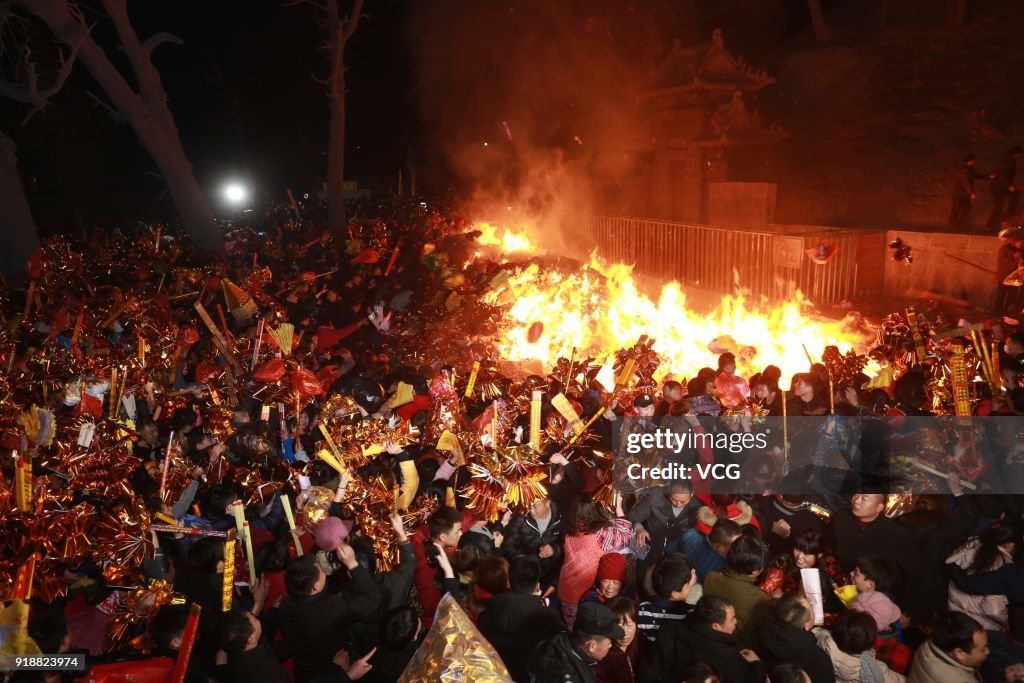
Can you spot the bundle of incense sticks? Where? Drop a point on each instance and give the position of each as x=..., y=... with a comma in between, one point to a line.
x=228, y=585
x=472, y=379
x=167, y=464
x=286, y=503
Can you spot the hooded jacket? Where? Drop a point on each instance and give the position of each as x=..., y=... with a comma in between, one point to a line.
x=739, y=512
x=515, y=624
x=781, y=642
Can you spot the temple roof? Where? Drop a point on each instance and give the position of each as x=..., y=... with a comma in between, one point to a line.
x=707, y=68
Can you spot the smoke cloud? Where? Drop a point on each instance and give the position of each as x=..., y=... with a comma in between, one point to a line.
x=533, y=104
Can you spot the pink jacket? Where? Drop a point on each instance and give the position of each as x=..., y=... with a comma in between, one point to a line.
x=583, y=552
x=879, y=606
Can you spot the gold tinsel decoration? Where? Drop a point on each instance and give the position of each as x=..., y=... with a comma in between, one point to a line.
x=454, y=650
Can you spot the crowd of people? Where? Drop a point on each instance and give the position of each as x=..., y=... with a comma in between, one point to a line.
x=337, y=389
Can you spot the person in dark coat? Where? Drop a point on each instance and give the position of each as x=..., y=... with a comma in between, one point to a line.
x=1008, y=260
x=249, y=656
x=707, y=636
x=661, y=517
x=865, y=530
x=964, y=192
x=571, y=657
x=786, y=637
x=621, y=663
x=671, y=392
x=785, y=518
x=401, y=633
x=394, y=585
x=217, y=510
x=315, y=623
x=166, y=631
x=540, y=534
x=517, y=621
x=1005, y=195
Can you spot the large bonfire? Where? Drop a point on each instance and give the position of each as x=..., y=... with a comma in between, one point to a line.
x=599, y=309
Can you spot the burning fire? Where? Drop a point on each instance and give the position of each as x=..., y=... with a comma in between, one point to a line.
x=510, y=242
x=600, y=310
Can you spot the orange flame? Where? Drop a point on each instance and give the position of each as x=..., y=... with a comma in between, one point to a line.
x=601, y=309
x=510, y=242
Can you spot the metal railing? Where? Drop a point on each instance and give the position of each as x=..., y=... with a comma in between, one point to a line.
x=769, y=262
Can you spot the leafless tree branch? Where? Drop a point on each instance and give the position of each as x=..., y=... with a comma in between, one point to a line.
x=351, y=22
x=315, y=4
x=114, y=113
x=158, y=39
x=31, y=93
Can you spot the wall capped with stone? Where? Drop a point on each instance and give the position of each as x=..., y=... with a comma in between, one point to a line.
x=941, y=265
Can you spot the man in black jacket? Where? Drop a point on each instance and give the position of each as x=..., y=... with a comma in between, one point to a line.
x=964, y=192
x=538, y=534
x=517, y=621
x=315, y=623
x=865, y=530
x=661, y=517
x=571, y=658
x=1004, y=189
x=786, y=637
x=708, y=636
x=249, y=656
x=784, y=518
x=167, y=631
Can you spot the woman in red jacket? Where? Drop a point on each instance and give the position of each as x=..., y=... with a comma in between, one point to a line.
x=591, y=532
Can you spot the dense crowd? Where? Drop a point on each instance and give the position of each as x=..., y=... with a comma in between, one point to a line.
x=569, y=579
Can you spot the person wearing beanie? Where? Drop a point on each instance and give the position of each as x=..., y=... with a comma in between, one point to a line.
x=330, y=534
x=611, y=577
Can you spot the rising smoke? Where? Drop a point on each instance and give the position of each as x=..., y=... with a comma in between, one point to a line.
x=551, y=88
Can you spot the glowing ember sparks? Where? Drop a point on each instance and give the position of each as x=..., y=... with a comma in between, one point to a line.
x=509, y=241
x=600, y=309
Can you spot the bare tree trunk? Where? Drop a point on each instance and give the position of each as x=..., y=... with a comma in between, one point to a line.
x=822, y=31
x=18, y=238
x=336, y=219
x=956, y=13
x=341, y=30
x=146, y=111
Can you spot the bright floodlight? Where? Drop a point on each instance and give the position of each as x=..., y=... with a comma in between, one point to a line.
x=235, y=193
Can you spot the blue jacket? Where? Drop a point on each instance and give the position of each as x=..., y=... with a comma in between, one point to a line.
x=702, y=554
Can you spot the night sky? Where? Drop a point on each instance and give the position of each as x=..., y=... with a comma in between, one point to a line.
x=429, y=81
x=242, y=92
